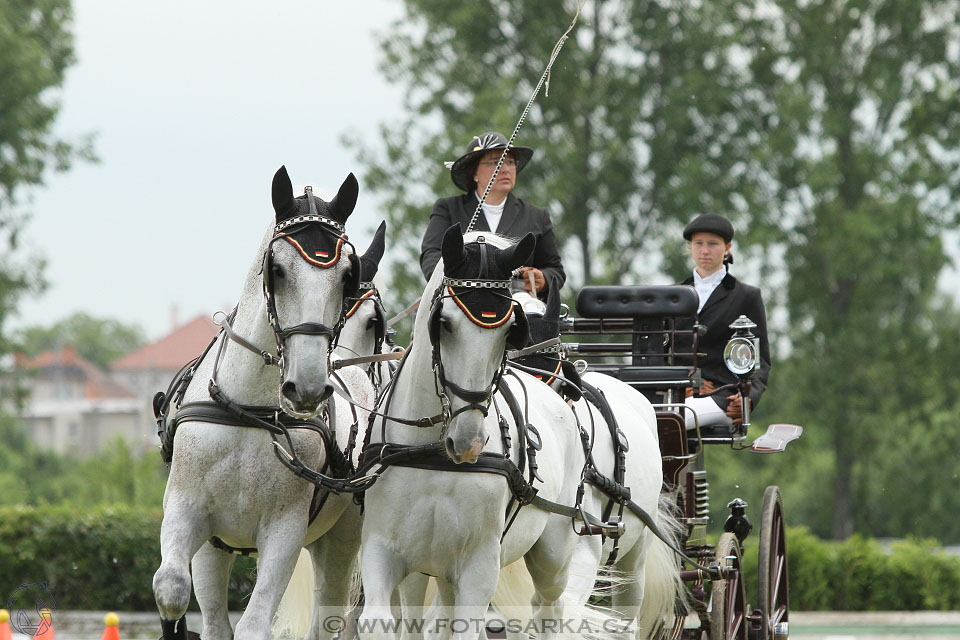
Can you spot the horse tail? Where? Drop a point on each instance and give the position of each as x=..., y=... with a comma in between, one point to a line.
x=664, y=592
x=292, y=619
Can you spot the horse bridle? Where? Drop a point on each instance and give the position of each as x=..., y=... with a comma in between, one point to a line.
x=282, y=230
x=475, y=400
x=368, y=293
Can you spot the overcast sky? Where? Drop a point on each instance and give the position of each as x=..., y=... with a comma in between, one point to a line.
x=195, y=105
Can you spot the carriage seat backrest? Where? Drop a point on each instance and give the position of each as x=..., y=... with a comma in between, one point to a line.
x=654, y=301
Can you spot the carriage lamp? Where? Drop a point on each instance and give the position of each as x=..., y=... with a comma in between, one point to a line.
x=742, y=353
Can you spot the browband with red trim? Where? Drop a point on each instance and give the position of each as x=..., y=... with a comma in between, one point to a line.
x=369, y=294
x=477, y=321
x=312, y=260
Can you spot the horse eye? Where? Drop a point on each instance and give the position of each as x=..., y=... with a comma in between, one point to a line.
x=371, y=323
x=445, y=324
x=276, y=272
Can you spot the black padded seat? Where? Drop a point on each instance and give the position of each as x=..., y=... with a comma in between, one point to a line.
x=654, y=301
x=662, y=376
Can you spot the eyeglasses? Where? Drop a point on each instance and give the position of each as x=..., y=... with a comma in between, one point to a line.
x=507, y=162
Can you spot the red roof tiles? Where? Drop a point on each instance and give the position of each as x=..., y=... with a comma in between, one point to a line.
x=173, y=350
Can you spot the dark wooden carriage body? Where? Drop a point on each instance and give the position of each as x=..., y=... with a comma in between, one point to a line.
x=632, y=333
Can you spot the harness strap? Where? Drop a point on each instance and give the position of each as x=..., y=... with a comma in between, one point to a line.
x=224, y=324
x=377, y=357
x=419, y=422
x=532, y=349
x=403, y=314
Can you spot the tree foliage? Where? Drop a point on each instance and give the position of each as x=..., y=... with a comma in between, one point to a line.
x=828, y=132
x=99, y=340
x=37, y=47
x=644, y=121
x=862, y=140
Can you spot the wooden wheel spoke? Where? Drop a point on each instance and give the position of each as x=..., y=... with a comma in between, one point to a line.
x=776, y=579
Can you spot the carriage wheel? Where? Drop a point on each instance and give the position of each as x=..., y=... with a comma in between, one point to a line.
x=727, y=600
x=772, y=592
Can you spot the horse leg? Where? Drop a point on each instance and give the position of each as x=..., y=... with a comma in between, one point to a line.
x=473, y=590
x=211, y=577
x=334, y=556
x=548, y=562
x=582, y=573
x=381, y=571
x=628, y=596
x=278, y=546
x=413, y=593
x=182, y=533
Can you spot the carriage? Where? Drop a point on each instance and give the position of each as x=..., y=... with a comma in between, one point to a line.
x=641, y=342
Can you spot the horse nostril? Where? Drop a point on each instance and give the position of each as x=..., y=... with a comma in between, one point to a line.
x=327, y=392
x=289, y=391
x=448, y=443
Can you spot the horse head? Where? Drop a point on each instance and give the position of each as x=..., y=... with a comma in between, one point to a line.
x=473, y=321
x=365, y=321
x=309, y=269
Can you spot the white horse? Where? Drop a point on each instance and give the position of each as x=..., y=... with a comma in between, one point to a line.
x=648, y=584
x=449, y=523
x=234, y=482
x=364, y=331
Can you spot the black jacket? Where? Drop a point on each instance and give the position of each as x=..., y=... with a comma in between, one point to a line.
x=729, y=301
x=519, y=218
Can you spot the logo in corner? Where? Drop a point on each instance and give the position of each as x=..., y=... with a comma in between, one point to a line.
x=26, y=605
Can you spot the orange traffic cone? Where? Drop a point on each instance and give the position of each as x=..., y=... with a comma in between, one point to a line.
x=45, y=628
x=110, y=631
x=5, y=633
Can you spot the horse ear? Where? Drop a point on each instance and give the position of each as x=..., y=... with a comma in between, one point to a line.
x=283, y=202
x=370, y=260
x=451, y=250
x=346, y=199
x=519, y=254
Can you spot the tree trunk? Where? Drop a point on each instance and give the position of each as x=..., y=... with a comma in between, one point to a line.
x=843, y=520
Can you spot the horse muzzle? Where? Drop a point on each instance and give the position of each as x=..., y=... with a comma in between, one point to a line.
x=465, y=451
x=303, y=401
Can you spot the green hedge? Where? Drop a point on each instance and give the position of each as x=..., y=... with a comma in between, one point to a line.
x=105, y=559
x=858, y=574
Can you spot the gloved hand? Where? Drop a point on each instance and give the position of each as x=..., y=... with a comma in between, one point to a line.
x=735, y=408
x=538, y=280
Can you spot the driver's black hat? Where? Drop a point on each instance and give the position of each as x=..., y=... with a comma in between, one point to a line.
x=709, y=223
x=463, y=168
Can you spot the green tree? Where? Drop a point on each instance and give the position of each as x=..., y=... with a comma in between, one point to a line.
x=861, y=111
x=643, y=125
x=37, y=47
x=99, y=340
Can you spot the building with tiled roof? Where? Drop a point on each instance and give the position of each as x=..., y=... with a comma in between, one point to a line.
x=73, y=407
x=151, y=367
x=173, y=350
